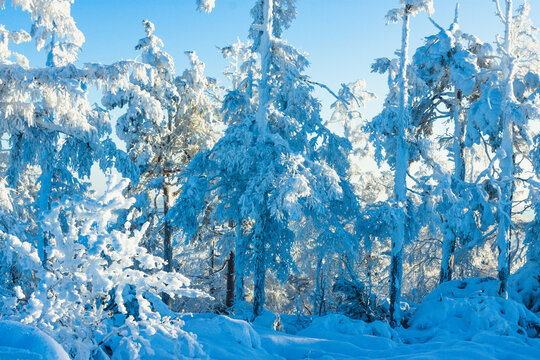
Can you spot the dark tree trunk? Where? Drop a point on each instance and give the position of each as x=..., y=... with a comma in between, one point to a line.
x=259, y=274
x=229, y=299
x=167, y=241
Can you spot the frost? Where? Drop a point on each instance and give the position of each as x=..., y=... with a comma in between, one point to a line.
x=206, y=5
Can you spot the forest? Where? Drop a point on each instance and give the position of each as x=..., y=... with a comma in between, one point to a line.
x=239, y=221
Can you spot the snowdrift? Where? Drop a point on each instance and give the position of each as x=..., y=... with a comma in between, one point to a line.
x=18, y=341
x=470, y=327
x=466, y=309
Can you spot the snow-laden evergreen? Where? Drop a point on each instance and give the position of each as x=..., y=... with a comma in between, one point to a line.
x=100, y=282
x=276, y=163
x=394, y=121
x=507, y=102
x=449, y=64
x=168, y=119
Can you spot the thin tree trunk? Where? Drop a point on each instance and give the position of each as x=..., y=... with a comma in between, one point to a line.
x=44, y=206
x=507, y=159
x=259, y=275
x=447, y=262
x=400, y=180
x=229, y=298
x=211, y=270
x=167, y=240
x=264, y=50
x=450, y=238
x=239, y=264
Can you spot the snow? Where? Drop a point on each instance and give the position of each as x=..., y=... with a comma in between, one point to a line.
x=450, y=328
x=19, y=341
x=206, y=5
x=337, y=337
x=458, y=320
x=330, y=337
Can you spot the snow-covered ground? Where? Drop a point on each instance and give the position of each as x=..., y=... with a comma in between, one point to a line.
x=458, y=320
x=21, y=342
x=329, y=337
x=337, y=337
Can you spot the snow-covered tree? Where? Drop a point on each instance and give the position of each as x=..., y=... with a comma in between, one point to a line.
x=393, y=125
x=54, y=29
x=163, y=137
x=206, y=5
x=449, y=64
x=276, y=163
x=55, y=134
x=101, y=294
x=501, y=118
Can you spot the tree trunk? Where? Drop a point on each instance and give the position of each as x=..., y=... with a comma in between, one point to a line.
x=506, y=164
x=259, y=274
x=167, y=240
x=211, y=271
x=265, y=53
x=229, y=298
x=447, y=262
x=458, y=178
x=400, y=180
x=239, y=264
x=44, y=206
x=319, y=306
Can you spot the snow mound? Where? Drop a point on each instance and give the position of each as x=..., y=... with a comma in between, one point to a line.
x=268, y=320
x=525, y=284
x=467, y=309
x=292, y=324
x=336, y=337
x=340, y=325
x=225, y=338
x=19, y=341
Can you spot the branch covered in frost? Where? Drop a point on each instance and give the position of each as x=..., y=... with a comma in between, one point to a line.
x=206, y=5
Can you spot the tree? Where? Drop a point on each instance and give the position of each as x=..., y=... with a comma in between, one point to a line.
x=55, y=134
x=395, y=118
x=501, y=117
x=109, y=280
x=167, y=121
x=276, y=163
x=449, y=64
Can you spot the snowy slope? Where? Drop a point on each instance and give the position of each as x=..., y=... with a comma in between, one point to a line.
x=337, y=337
x=18, y=341
x=458, y=320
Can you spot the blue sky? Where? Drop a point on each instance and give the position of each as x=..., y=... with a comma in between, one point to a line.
x=342, y=37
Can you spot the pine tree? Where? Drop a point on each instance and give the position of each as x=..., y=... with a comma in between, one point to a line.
x=55, y=134
x=449, y=64
x=275, y=164
x=163, y=137
x=501, y=119
x=395, y=119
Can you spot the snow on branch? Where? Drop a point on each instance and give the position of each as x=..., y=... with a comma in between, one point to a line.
x=410, y=7
x=206, y=5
